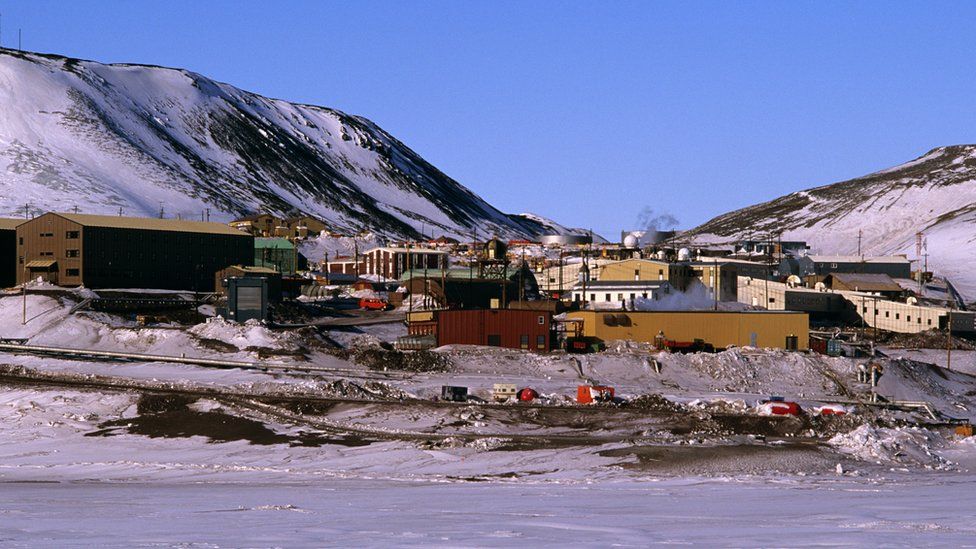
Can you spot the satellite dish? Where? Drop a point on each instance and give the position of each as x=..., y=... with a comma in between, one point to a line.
x=820, y=287
x=630, y=241
x=793, y=281
x=912, y=300
x=684, y=254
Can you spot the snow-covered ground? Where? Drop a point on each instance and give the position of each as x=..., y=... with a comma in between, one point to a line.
x=904, y=512
x=180, y=455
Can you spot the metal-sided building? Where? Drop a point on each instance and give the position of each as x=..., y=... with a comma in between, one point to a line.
x=773, y=329
x=241, y=271
x=895, y=266
x=100, y=251
x=8, y=252
x=279, y=254
x=509, y=328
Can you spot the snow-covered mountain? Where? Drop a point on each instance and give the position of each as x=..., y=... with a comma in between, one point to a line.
x=934, y=194
x=100, y=138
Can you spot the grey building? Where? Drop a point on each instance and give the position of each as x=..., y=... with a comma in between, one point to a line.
x=895, y=266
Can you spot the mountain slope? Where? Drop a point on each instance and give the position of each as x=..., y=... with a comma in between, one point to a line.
x=934, y=194
x=103, y=137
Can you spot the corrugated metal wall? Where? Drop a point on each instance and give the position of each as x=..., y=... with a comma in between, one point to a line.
x=510, y=328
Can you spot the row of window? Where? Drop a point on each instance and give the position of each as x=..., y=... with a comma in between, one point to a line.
x=908, y=318
x=607, y=297
x=495, y=340
x=67, y=253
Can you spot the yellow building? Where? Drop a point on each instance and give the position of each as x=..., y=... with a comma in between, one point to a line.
x=719, y=328
x=679, y=275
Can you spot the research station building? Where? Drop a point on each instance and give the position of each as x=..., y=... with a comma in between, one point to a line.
x=774, y=329
x=100, y=251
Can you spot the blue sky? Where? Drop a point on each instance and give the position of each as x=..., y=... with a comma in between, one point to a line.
x=586, y=112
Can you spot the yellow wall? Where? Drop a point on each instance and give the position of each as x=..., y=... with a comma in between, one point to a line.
x=721, y=329
x=647, y=269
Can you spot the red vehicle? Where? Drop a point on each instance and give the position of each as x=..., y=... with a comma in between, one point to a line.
x=777, y=406
x=373, y=304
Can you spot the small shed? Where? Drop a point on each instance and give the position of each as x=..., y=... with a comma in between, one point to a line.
x=242, y=271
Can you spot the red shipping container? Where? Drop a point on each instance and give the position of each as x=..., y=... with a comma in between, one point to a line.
x=588, y=394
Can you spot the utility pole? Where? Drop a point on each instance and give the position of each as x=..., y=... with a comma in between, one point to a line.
x=208, y=215
x=715, y=283
x=560, y=273
x=24, y=287
x=521, y=277
x=410, y=282
x=859, y=245
x=949, y=342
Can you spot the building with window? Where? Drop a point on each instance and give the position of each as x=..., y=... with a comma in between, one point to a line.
x=510, y=328
x=304, y=226
x=261, y=225
x=895, y=266
x=279, y=254
x=713, y=274
x=773, y=329
x=619, y=293
x=391, y=263
x=100, y=251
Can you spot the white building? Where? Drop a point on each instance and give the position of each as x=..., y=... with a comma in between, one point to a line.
x=619, y=293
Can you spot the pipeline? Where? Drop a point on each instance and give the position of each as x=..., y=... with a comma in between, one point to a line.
x=88, y=354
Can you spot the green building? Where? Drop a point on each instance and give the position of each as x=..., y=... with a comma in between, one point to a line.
x=279, y=254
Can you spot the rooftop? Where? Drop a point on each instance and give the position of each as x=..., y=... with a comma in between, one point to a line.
x=9, y=224
x=151, y=224
x=594, y=284
x=858, y=259
x=866, y=282
x=271, y=242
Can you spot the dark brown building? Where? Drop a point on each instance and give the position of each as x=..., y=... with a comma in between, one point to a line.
x=392, y=262
x=510, y=328
x=8, y=252
x=100, y=251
